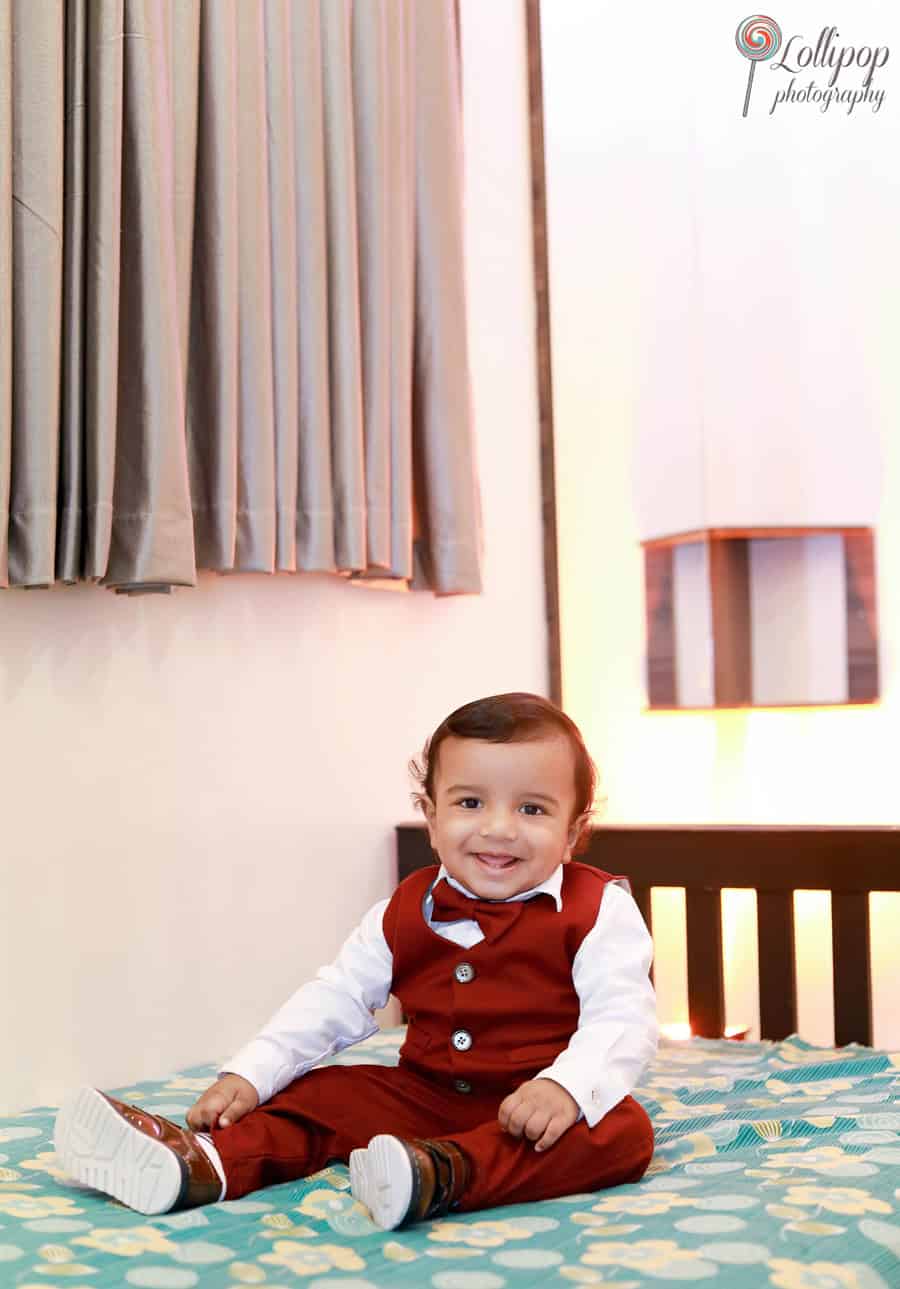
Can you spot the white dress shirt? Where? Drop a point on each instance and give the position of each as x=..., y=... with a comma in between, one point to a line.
x=617, y=1028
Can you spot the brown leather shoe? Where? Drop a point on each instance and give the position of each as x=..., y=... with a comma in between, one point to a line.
x=142, y=1159
x=402, y=1181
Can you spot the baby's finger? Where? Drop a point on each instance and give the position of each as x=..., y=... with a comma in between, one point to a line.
x=240, y=1104
x=231, y=1112
x=554, y=1130
x=235, y=1111
x=210, y=1106
x=507, y=1106
x=519, y=1117
x=534, y=1128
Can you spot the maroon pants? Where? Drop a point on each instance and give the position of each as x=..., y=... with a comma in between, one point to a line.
x=329, y=1112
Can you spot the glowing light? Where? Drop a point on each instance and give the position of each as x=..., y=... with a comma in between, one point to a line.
x=679, y=1030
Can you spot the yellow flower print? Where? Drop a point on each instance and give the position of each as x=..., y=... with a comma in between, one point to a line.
x=280, y=1224
x=642, y=1255
x=247, y=1273
x=675, y=1109
x=718, y=1083
x=9, y=1175
x=678, y=1054
x=821, y=1159
x=782, y=1210
x=56, y=1253
x=312, y=1259
x=126, y=1241
x=484, y=1235
x=789, y=1274
x=326, y=1204
x=339, y=1178
x=344, y=1214
x=396, y=1252
x=58, y=1260
x=598, y=1225
x=789, y=1055
x=800, y=1091
x=640, y=1205
x=26, y=1207
x=816, y=1228
x=46, y=1162
x=687, y=1146
x=837, y=1199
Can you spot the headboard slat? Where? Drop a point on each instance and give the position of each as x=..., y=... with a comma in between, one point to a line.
x=777, y=982
x=706, y=986
x=852, y=976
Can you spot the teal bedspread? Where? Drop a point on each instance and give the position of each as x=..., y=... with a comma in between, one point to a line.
x=776, y=1164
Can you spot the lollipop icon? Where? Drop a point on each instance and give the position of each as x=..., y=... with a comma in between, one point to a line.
x=757, y=38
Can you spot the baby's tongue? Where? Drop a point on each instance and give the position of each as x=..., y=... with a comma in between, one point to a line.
x=498, y=861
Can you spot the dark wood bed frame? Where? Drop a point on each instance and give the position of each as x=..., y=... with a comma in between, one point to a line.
x=849, y=862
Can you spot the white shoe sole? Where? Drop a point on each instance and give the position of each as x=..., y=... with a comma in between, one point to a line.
x=101, y=1149
x=381, y=1178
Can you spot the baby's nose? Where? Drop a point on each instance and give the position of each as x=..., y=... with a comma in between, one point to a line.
x=499, y=823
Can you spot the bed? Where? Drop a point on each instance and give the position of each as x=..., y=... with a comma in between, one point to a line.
x=776, y=1162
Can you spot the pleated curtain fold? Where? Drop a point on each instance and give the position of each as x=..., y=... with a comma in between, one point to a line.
x=232, y=317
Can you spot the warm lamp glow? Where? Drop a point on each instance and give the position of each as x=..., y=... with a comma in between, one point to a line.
x=679, y=1029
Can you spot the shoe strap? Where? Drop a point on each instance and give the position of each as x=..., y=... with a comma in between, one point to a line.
x=450, y=1175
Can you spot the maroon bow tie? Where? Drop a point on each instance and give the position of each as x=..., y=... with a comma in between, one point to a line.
x=493, y=916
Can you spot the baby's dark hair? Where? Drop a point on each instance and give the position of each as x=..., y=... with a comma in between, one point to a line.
x=511, y=718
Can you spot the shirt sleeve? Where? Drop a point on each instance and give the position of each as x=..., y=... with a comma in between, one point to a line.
x=617, y=1028
x=332, y=1011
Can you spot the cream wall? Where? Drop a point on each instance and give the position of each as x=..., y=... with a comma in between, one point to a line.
x=200, y=790
x=725, y=299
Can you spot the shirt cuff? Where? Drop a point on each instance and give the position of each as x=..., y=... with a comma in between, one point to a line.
x=596, y=1086
x=596, y=1100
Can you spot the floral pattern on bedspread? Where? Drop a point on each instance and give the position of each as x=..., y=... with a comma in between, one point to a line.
x=776, y=1164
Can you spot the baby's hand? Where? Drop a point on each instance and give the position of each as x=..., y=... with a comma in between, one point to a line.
x=540, y=1108
x=228, y=1100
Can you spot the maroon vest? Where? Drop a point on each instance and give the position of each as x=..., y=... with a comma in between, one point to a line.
x=490, y=1017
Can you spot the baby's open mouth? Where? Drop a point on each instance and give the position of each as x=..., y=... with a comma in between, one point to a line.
x=496, y=862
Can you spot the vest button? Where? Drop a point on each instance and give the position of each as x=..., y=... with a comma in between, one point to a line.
x=464, y=973
x=462, y=1085
x=461, y=1040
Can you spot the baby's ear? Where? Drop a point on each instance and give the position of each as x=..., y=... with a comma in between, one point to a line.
x=428, y=811
x=575, y=831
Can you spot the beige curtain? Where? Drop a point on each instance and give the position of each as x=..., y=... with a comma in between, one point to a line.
x=232, y=321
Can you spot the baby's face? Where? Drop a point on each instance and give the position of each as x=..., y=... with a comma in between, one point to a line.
x=500, y=820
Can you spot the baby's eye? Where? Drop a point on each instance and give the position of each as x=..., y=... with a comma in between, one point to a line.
x=464, y=800
x=532, y=805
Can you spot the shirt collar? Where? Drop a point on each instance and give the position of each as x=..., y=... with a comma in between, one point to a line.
x=551, y=886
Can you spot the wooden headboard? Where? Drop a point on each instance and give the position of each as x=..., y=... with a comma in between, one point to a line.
x=775, y=862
